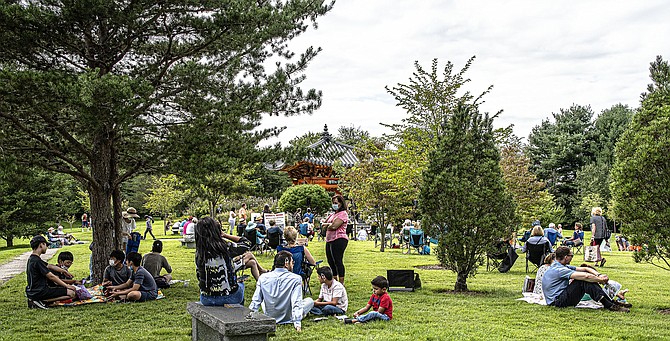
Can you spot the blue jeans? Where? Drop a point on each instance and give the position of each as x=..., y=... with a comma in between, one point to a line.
x=235, y=298
x=327, y=310
x=373, y=315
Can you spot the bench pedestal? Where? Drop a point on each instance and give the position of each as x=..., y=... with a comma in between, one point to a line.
x=228, y=323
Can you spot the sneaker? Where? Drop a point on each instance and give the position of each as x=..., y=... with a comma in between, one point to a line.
x=618, y=308
x=602, y=263
x=623, y=304
x=37, y=305
x=348, y=321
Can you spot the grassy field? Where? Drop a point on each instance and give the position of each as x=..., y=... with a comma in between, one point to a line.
x=490, y=312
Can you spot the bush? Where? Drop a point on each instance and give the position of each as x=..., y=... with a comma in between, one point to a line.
x=301, y=195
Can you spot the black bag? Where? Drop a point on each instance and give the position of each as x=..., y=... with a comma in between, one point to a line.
x=417, y=281
x=161, y=282
x=400, y=280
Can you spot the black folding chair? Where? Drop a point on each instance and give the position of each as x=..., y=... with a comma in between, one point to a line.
x=273, y=240
x=494, y=257
x=535, y=253
x=307, y=270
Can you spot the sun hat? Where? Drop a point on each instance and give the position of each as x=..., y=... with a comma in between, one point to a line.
x=132, y=212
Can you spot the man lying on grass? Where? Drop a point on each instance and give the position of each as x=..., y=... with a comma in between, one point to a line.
x=141, y=285
x=39, y=274
x=560, y=292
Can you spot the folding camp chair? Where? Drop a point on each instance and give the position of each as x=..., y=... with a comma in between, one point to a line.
x=255, y=246
x=415, y=241
x=373, y=234
x=494, y=257
x=273, y=240
x=552, y=235
x=405, y=239
x=535, y=253
x=307, y=270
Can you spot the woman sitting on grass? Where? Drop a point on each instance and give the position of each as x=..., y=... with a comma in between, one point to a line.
x=540, y=273
x=214, y=266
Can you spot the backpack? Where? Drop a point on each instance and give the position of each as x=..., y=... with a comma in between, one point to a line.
x=425, y=250
x=161, y=282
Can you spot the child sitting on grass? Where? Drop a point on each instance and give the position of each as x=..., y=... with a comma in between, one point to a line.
x=65, y=260
x=380, y=302
x=141, y=285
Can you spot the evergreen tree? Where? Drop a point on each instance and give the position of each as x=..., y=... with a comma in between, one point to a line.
x=641, y=173
x=558, y=150
x=106, y=90
x=463, y=197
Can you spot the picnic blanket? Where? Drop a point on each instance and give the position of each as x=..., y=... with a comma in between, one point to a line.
x=97, y=296
x=534, y=298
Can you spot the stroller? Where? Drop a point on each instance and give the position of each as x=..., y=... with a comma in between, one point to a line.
x=133, y=242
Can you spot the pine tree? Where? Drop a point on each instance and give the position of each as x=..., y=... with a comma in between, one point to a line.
x=463, y=196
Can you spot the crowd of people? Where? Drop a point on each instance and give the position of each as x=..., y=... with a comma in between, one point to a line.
x=221, y=253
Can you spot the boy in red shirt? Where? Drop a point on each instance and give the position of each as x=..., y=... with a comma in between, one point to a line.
x=380, y=302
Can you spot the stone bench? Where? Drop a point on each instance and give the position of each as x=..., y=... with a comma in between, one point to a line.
x=189, y=244
x=229, y=323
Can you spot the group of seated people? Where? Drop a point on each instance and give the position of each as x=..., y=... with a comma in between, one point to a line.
x=131, y=277
x=563, y=285
x=58, y=237
x=280, y=291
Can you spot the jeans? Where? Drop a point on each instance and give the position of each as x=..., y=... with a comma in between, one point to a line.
x=571, y=296
x=234, y=298
x=373, y=315
x=327, y=310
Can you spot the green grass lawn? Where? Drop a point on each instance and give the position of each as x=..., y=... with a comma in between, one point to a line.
x=491, y=312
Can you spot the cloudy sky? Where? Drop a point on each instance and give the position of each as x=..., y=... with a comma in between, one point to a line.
x=540, y=56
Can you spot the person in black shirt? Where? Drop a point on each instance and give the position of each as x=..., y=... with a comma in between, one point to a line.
x=39, y=273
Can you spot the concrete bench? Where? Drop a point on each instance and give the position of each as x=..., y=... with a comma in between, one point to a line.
x=189, y=244
x=229, y=323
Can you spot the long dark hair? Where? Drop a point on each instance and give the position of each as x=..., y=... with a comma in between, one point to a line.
x=341, y=201
x=208, y=240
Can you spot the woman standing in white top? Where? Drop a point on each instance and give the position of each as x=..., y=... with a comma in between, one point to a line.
x=232, y=220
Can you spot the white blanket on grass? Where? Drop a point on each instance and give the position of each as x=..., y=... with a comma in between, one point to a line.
x=539, y=299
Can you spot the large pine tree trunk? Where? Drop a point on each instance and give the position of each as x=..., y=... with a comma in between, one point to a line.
x=101, y=192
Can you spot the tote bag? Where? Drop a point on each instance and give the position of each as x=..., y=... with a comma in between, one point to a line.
x=590, y=253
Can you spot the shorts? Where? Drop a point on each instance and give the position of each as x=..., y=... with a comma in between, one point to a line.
x=147, y=296
x=48, y=293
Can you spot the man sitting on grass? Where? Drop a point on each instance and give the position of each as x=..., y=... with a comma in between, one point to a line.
x=560, y=292
x=117, y=272
x=39, y=273
x=280, y=292
x=154, y=262
x=332, y=297
x=141, y=285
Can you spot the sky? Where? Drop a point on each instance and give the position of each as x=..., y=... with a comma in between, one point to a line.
x=540, y=56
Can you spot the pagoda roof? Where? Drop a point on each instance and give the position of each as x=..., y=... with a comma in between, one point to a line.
x=327, y=152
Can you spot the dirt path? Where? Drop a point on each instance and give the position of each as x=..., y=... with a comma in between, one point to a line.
x=18, y=265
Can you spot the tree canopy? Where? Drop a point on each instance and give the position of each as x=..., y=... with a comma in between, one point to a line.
x=463, y=196
x=641, y=172
x=106, y=90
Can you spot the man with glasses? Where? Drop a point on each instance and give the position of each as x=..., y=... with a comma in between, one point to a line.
x=560, y=292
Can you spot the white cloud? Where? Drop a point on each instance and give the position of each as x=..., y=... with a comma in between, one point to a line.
x=540, y=56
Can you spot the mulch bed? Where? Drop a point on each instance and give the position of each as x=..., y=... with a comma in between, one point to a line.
x=454, y=292
x=431, y=267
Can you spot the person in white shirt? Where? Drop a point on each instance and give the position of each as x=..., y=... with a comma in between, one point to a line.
x=332, y=297
x=128, y=225
x=279, y=292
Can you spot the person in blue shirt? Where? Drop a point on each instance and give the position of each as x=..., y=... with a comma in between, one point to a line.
x=577, y=237
x=560, y=292
x=309, y=215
